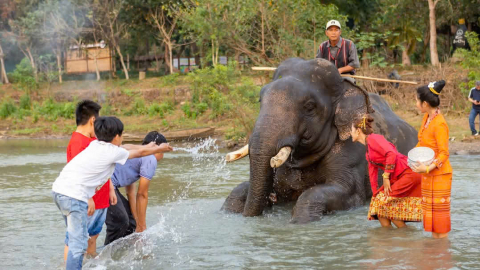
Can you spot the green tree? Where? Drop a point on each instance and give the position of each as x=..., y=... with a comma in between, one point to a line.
x=107, y=19
x=405, y=36
x=24, y=30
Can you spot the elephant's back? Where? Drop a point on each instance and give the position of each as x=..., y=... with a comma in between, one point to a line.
x=390, y=125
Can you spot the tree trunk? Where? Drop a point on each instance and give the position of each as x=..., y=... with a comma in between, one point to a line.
x=365, y=61
x=32, y=63
x=123, y=62
x=237, y=59
x=3, y=72
x=433, y=33
x=196, y=54
x=405, y=57
x=59, y=64
x=178, y=59
x=426, y=43
x=128, y=61
x=170, y=56
x=96, y=66
x=156, y=57
x=216, y=55
x=213, y=53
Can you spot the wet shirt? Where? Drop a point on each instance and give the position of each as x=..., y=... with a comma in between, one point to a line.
x=475, y=95
x=133, y=169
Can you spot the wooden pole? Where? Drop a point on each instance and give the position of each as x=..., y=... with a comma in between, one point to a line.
x=348, y=75
x=377, y=79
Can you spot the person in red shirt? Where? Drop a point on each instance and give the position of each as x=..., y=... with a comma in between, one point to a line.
x=399, y=199
x=85, y=115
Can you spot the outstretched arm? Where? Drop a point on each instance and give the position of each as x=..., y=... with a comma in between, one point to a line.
x=149, y=149
x=132, y=146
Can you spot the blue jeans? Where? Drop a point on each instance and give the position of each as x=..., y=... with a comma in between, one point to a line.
x=94, y=223
x=74, y=213
x=471, y=119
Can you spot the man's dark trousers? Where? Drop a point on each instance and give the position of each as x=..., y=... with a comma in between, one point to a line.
x=471, y=119
x=119, y=221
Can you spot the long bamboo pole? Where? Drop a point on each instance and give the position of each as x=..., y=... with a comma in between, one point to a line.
x=348, y=75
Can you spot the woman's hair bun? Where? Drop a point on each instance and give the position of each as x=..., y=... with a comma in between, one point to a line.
x=438, y=85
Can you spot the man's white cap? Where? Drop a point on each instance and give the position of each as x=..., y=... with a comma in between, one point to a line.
x=333, y=23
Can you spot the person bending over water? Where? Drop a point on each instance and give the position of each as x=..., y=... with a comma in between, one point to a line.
x=87, y=173
x=398, y=200
x=437, y=177
x=129, y=216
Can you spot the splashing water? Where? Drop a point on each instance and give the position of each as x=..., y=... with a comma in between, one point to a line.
x=208, y=169
x=207, y=162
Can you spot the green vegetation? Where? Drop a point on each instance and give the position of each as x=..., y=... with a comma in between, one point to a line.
x=49, y=110
x=151, y=36
x=470, y=61
x=216, y=94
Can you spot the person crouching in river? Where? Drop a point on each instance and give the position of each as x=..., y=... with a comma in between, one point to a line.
x=399, y=199
x=437, y=177
x=129, y=216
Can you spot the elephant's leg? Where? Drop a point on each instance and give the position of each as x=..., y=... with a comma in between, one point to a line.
x=235, y=202
x=321, y=199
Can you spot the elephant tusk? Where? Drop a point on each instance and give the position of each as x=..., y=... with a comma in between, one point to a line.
x=236, y=155
x=281, y=157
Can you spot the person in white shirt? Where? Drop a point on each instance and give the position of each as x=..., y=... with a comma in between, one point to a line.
x=87, y=172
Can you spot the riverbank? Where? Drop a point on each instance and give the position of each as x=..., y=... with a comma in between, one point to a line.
x=222, y=98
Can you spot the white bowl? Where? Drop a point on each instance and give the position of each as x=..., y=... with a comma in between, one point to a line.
x=423, y=155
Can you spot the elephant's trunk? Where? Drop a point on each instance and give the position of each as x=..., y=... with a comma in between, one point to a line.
x=265, y=147
x=261, y=184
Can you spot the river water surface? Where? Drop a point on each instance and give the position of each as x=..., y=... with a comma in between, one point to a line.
x=186, y=230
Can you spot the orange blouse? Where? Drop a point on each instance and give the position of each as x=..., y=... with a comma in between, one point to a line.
x=435, y=136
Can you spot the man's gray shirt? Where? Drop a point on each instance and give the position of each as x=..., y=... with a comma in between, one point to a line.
x=352, y=53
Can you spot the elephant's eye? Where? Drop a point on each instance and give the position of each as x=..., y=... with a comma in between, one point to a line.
x=310, y=106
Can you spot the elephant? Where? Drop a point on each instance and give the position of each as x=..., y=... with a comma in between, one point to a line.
x=306, y=115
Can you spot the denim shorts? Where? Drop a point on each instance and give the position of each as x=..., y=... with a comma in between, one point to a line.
x=74, y=213
x=94, y=223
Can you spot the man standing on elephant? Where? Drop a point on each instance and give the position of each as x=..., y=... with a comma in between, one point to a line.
x=340, y=51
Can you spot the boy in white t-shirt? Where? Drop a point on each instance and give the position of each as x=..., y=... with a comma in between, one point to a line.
x=87, y=172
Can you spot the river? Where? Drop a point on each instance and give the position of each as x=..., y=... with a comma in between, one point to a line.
x=187, y=230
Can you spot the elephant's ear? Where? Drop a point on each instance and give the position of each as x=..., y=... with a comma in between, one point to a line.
x=353, y=104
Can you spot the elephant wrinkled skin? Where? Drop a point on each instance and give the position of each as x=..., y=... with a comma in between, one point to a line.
x=310, y=108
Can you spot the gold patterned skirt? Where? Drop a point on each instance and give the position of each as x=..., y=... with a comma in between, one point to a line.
x=395, y=208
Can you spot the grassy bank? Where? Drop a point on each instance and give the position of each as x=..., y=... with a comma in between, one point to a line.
x=221, y=97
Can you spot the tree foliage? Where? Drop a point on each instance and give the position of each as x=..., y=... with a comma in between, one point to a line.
x=264, y=31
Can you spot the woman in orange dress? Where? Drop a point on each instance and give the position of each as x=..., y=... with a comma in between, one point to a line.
x=437, y=177
x=399, y=199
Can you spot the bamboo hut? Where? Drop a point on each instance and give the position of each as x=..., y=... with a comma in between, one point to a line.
x=81, y=59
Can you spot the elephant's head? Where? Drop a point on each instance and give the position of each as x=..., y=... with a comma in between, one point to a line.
x=307, y=107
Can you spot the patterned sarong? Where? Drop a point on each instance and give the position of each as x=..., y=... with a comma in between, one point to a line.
x=436, y=191
x=395, y=208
